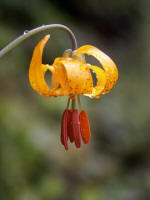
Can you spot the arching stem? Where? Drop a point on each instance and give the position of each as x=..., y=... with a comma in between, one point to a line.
x=28, y=34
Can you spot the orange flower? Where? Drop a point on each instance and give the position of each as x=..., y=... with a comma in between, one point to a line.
x=71, y=76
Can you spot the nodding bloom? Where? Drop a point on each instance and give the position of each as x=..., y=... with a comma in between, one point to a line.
x=72, y=76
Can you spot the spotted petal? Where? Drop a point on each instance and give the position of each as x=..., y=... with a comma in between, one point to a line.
x=79, y=79
x=106, y=62
x=101, y=81
x=37, y=70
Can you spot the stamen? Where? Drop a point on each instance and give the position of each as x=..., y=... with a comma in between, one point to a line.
x=68, y=103
x=84, y=127
x=70, y=127
x=79, y=102
x=73, y=103
x=64, y=129
x=76, y=128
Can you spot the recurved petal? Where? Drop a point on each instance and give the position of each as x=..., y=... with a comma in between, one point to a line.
x=101, y=81
x=78, y=76
x=59, y=76
x=106, y=62
x=37, y=70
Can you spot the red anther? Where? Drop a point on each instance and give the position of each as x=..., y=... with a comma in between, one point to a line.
x=76, y=128
x=84, y=127
x=64, y=129
x=70, y=127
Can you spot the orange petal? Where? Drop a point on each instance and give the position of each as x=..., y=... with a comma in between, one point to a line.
x=37, y=70
x=59, y=76
x=101, y=82
x=106, y=62
x=79, y=79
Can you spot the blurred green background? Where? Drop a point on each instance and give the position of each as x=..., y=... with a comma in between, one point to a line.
x=116, y=163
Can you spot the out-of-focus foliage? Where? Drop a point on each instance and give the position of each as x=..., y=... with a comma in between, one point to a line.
x=116, y=164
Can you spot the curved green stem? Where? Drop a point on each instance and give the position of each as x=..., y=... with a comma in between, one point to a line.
x=27, y=34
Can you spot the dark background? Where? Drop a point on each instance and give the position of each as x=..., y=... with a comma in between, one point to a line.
x=116, y=163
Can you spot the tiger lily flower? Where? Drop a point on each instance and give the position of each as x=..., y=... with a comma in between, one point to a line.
x=71, y=76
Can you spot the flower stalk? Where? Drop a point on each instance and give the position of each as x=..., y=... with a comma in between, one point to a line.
x=32, y=32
